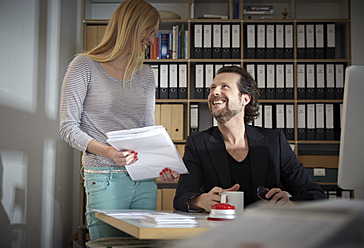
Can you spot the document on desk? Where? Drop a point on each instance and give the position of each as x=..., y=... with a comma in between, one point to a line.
x=155, y=149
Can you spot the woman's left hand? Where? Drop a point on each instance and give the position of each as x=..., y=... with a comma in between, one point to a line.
x=168, y=175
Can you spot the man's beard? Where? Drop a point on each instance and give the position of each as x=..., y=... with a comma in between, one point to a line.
x=225, y=114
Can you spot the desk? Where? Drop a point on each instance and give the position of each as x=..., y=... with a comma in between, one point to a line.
x=144, y=230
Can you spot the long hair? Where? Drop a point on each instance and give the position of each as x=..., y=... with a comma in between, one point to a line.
x=246, y=85
x=123, y=32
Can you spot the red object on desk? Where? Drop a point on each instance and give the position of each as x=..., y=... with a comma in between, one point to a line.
x=222, y=211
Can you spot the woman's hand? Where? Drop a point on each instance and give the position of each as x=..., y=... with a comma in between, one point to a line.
x=168, y=175
x=122, y=157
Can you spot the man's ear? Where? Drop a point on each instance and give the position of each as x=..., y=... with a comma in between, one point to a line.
x=245, y=99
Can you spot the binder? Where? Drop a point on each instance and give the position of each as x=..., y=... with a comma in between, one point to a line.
x=268, y=116
x=194, y=118
x=301, y=81
x=250, y=51
x=311, y=121
x=279, y=81
x=163, y=84
x=319, y=38
x=310, y=80
x=270, y=50
x=182, y=81
x=330, y=81
x=260, y=53
x=250, y=68
x=157, y=114
x=177, y=122
x=288, y=41
x=173, y=83
x=226, y=43
x=320, y=81
x=175, y=42
x=197, y=48
x=289, y=122
x=209, y=78
x=270, y=90
x=217, y=67
x=301, y=42
x=320, y=121
x=279, y=34
x=214, y=122
x=216, y=41
x=301, y=121
x=310, y=41
x=280, y=117
x=207, y=35
x=199, y=82
x=261, y=80
x=330, y=44
x=166, y=117
x=235, y=41
x=258, y=122
x=329, y=121
x=339, y=81
x=289, y=82
x=155, y=69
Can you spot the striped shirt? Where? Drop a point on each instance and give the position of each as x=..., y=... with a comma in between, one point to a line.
x=94, y=103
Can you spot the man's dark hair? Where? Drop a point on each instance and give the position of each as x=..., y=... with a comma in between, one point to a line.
x=246, y=85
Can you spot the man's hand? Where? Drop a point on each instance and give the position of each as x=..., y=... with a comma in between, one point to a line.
x=207, y=200
x=278, y=196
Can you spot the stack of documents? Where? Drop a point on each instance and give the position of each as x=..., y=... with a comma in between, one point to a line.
x=155, y=149
x=171, y=220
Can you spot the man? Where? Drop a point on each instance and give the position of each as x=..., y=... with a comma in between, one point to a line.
x=235, y=156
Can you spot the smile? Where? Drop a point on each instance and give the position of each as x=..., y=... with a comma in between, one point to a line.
x=217, y=102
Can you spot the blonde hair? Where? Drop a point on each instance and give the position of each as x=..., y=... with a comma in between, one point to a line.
x=124, y=30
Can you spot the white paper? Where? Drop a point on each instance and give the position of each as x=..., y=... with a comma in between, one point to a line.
x=155, y=149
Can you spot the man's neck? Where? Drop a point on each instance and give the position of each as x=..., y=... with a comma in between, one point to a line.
x=233, y=130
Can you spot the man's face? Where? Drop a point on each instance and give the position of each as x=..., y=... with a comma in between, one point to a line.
x=225, y=100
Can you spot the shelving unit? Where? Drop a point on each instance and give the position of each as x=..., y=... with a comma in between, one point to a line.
x=312, y=153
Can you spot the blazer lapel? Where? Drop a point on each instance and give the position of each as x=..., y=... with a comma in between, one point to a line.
x=258, y=150
x=216, y=149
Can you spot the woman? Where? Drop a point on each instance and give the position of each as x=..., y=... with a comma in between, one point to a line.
x=109, y=89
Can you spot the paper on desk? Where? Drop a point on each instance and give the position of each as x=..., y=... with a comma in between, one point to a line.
x=155, y=149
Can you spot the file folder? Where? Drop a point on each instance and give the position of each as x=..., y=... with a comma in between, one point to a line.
x=216, y=41
x=288, y=41
x=194, y=118
x=301, y=41
x=268, y=116
x=166, y=117
x=279, y=34
x=310, y=41
x=197, y=48
x=320, y=121
x=261, y=80
x=207, y=35
x=182, y=81
x=320, y=81
x=289, y=122
x=319, y=38
x=280, y=118
x=250, y=68
x=226, y=43
x=301, y=121
x=155, y=69
x=177, y=122
x=289, y=82
x=199, y=81
x=310, y=121
x=270, y=49
x=157, y=114
x=270, y=90
x=209, y=78
x=235, y=41
x=280, y=82
x=310, y=80
x=330, y=45
x=173, y=83
x=330, y=81
x=163, y=84
x=301, y=81
x=339, y=81
x=260, y=53
x=258, y=122
x=250, y=51
x=217, y=67
x=329, y=121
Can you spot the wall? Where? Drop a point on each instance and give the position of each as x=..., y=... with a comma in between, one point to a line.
x=38, y=39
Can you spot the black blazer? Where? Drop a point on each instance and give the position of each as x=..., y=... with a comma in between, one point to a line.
x=273, y=165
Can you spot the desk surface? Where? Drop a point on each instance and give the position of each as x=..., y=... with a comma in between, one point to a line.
x=145, y=230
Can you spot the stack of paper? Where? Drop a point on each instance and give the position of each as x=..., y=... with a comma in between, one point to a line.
x=155, y=149
x=171, y=220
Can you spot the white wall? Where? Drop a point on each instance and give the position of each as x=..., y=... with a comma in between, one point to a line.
x=38, y=39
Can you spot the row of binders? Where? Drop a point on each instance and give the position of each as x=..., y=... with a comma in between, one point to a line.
x=216, y=41
x=171, y=116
